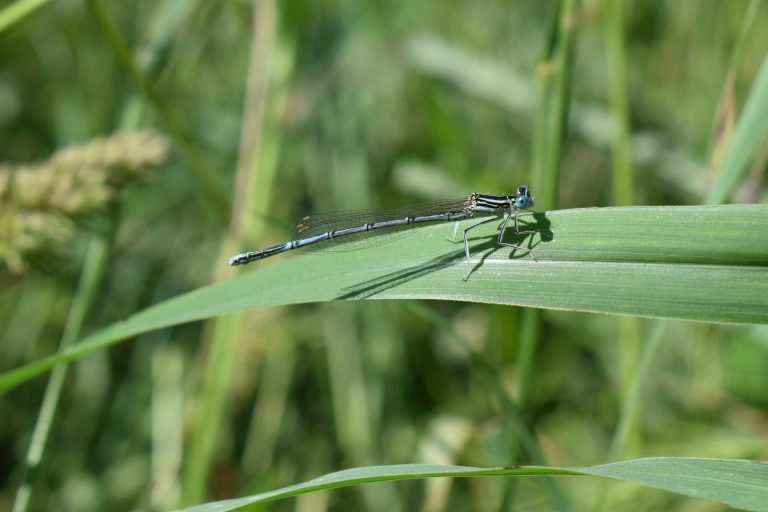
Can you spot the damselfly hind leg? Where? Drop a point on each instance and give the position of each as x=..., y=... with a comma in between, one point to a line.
x=470, y=228
x=517, y=232
x=452, y=238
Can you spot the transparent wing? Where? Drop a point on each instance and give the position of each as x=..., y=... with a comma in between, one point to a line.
x=320, y=223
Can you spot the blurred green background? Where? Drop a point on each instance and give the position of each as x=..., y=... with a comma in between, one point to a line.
x=368, y=104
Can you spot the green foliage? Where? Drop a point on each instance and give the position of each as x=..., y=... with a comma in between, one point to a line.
x=598, y=260
x=222, y=382
x=738, y=483
x=749, y=134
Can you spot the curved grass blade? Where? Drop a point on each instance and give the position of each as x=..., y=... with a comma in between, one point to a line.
x=738, y=483
x=751, y=131
x=696, y=263
x=18, y=11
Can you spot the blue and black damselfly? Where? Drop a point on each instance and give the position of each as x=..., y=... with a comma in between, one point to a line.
x=363, y=228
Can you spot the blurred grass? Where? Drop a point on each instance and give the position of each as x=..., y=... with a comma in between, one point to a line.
x=374, y=95
x=270, y=67
x=626, y=438
x=547, y=143
x=749, y=135
x=201, y=173
x=17, y=11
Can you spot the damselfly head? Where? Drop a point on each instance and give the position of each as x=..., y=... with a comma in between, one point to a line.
x=524, y=198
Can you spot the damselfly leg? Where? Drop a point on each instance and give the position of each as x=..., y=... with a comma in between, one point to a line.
x=500, y=240
x=517, y=232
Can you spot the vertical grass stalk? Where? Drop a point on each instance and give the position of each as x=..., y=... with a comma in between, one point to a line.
x=225, y=332
x=90, y=279
x=204, y=179
x=623, y=180
x=549, y=130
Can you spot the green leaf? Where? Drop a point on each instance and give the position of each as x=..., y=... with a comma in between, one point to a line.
x=706, y=263
x=18, y=11
x=751, y=130
x=738, y=483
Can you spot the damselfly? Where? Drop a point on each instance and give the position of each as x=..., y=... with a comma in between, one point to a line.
x=343, y=230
